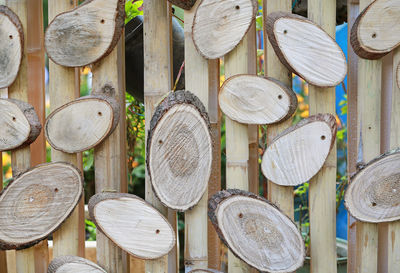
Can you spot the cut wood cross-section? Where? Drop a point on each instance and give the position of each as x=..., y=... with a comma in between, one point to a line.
x=73, y=264
x=179, y=150
x=208, y=270
x=256, y=231
x=85, y=34
x=306, y=49
x=185, y=4
x=252, y=99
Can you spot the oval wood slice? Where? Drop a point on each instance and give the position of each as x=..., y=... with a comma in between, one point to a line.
x=11, y=46
x=73, y=264
x=132, y=224
x=299, y=152
x=374, y=193
x=185, y=4
x=37, y=202
x=256, y=231
x=19, y=124
x=306, y=49
x=85, y=34
x=179, y=150
x=252, y=99
x=219, y=26
x=376, y=31
x=84, y=123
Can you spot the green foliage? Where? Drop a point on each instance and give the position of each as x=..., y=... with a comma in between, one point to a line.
x=90, y=228
x=133, y=9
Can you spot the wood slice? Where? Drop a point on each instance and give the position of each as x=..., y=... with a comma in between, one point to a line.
x=298, y=153
x=83, y=123
x=252, y=99
x=37, y=202
x=132, y=224
x=208, y=270
x=219, y=26
x=185, y=4
x=374, y=194
x=256, y=231
x=19, y=124
x=73, y=264
x=306, y=49
x=376, y=31
x=179, y=150
x=11, y=46
x=85, y=34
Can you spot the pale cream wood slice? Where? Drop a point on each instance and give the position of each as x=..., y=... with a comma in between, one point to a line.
x=185, y=4
x=219, y=26
x=37, y=202
x=85, y=34
x=73, y=264
x=306, y=49
x=132, y=224
x=256, y=231
x=252, y=99
x=298, y=153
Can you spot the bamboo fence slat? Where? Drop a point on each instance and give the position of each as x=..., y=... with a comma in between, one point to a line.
x=3, y=257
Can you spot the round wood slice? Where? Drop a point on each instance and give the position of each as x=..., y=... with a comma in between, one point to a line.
x=374, y=193
x=376, y=31
x=298, y=153
x=185, y=4
x=306, y=49
x=84, y=123
x=252, y=99
x=132, y=224
x=85, y=34
x=37, y=202
x=179, y=151
x=256, y=231
x=19, y=124
x=73, y=264
x=219, y=26
x=11, y=46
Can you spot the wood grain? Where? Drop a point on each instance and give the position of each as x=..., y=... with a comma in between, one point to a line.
x=397, y=75
x=185, y=4
x=72, y=264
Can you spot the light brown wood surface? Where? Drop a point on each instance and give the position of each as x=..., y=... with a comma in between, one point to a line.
x=397, y=75
x=3, y=257
x=185, y=4
x=73, y=264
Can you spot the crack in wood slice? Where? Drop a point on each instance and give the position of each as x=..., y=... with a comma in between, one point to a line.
x=85, y=34
x=298, y=153
x=132, y=224
x=376, y=31
x=306, y=49
x=19, y=124
x=185, y=4
x=179, y=150
x=252, y=99
x=256, y=231
x=73, y=264
x=219, y=26
x=37, y=202
x=374, y=194
x=83, y=123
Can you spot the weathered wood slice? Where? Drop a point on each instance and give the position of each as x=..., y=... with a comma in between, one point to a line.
x=19, y=124
x=132, y=224
x=376, y=31
x=185, y=4
x=306, y=49
x=85, y=34
x=73, y=264
x=83, y=123
x=374, y=194
x=37, y=202
x=256, y=231
x=11, y=46
x=219, y=26
x=298, y=153
x=179, y=150
x=208, y=270
x=252, y=99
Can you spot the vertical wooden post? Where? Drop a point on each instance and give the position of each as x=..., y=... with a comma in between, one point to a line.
x=3, y=257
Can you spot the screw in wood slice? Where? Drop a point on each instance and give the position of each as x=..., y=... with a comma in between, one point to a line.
x=19, y=124
x=185, y=4
x=256, y=231
x=252, y=99
x=37, y=202
x=132, y=224
x=219, y=26
x=85, y=34
x=179, y=150
x=299, y=152
x=306, y=49
x=83, y=123
x=376, y=31
x=73, y=264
